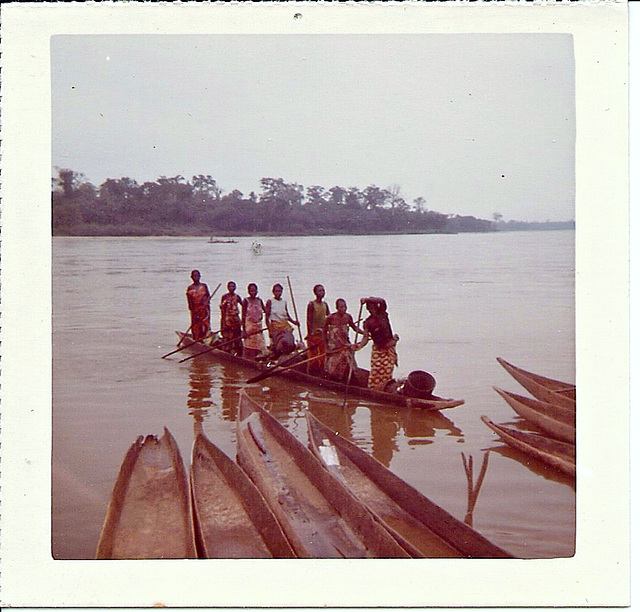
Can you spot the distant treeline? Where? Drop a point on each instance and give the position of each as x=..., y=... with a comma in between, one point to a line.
x=176, y=206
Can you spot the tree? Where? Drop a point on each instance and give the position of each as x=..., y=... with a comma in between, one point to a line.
x=207, y=186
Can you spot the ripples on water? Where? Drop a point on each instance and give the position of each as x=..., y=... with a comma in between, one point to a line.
x=457, y=302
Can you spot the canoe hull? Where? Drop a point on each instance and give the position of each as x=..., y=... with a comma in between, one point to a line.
x=557, y=454
x=149, y=515
x=232, y=519
x=553, y=420
x=429, y=530
x=545, y=389
x=320, y=518
x=395, y=399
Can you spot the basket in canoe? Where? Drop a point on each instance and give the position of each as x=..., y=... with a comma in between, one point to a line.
x=557, y=454
x=149, y=514
x=422, y=527
x=301, y=376
x=545, y=389
x=232, y=519
x=320, y=517
x=555, y=421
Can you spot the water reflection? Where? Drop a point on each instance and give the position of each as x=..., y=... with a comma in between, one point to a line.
x=385, y=426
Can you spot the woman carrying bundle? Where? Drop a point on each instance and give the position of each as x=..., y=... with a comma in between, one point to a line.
x=383, y=352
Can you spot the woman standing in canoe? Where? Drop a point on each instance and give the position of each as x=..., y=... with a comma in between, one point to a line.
x=230, y=323
x=383, y=353
x=340, y=361
x=317, y=313
x=198, y=300
x=252, y=312
x=278, y=322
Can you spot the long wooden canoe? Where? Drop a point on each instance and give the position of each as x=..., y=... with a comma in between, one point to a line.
x=430, y=530
x=543, y=388
x=556, y=421
x=319, y=516
x=557, y=454
x=232, y=519
x=149, y=515
x=396, y=399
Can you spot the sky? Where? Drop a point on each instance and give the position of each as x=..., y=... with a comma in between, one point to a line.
x=476, y=124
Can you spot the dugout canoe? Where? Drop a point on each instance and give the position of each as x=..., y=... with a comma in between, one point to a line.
x=545, y=389
x=320, y=517
x=382, y=397
x=556, y=421
x=557, y=454
x=232, y=519
x=149, y=515
x=429, y=530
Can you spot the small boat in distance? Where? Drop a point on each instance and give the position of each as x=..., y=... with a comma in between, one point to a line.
x=543, y=388
x=557, y=454
x=555, y=421
x=232, y=519
x=301, y=376
x=411, y=517
x=149, y=515
x=220, y=241
x=320, y=516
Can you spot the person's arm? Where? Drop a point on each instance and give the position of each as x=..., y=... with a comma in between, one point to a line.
x=267, y=315
x=309, y=317
x=353, y=326
x=289, y=317
x=244, y=304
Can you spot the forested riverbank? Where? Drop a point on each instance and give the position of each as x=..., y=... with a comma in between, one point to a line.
x=177, y=206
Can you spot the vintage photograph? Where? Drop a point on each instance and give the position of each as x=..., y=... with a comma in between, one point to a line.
x=361, y=236
x=314, y=294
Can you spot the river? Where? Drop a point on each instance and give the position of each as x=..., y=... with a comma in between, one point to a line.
x=457, y=302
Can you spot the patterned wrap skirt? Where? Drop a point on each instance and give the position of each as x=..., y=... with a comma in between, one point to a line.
x=382, y=363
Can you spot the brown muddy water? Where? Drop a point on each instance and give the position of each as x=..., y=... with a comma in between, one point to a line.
x=457, y=302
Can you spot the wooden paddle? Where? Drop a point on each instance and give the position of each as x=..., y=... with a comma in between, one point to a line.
x=280, y=368
x=190, y=326
x=295, y=310
x=181, y=348
x=219, y=346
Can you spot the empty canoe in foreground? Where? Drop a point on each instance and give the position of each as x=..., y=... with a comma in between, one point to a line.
x=557, y=454
x=543, y=388
x=232, y=519
x=554, y=420
x=429, y=530
x=149, y=515
x=319, y=516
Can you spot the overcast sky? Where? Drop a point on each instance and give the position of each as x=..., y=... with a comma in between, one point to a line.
x=474, y=123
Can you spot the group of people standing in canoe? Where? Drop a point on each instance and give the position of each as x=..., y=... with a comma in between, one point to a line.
x=329, y=350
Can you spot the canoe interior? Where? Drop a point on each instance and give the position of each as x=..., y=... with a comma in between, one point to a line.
x=149, y=515
x=555, y=421
x=232, y=519
x=426, y=526
x=543, y=388
x=320, y=517
x=302, y=377
x=555, y=453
